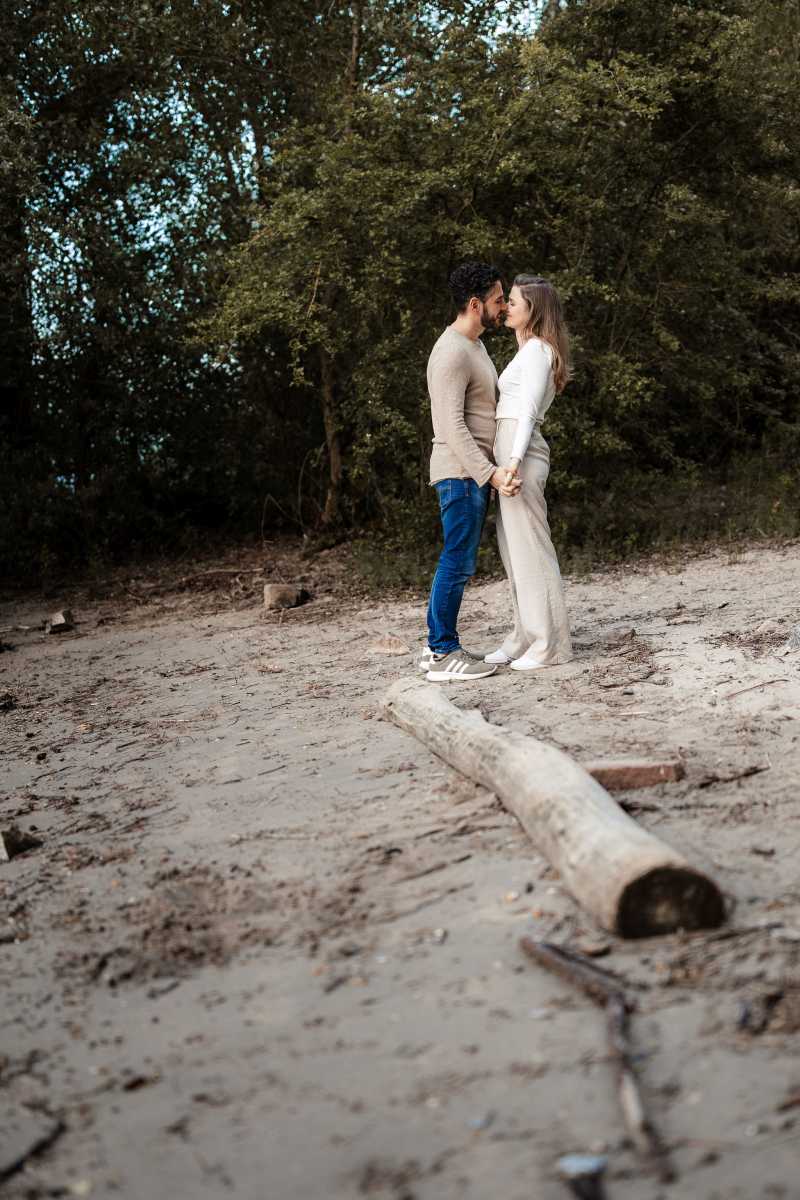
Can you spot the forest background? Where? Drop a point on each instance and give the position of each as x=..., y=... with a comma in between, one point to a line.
x=225, y=234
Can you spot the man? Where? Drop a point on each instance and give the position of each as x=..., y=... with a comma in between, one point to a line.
x=462, y=384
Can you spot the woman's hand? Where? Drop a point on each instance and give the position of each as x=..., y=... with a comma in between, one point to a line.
x=504, y=482
x=513, y=477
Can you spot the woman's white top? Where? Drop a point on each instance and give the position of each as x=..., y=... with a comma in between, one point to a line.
x=527, y=389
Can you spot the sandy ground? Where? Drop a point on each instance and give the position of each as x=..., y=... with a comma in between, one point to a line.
x=267, y=945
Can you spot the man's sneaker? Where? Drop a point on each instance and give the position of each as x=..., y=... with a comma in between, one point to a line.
x=424, y=663
x=428, y=656
x=499, y=658
x=459, y=664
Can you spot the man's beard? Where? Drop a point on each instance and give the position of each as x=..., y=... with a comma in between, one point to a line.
x=490, y=322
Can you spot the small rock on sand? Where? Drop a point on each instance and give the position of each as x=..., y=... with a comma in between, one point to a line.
x=13, y=842
x=61, y=621
x=389, y=644
x=284, y=595
x=794, y=639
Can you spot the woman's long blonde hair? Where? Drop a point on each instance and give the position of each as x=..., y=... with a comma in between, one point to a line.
x=546, y=321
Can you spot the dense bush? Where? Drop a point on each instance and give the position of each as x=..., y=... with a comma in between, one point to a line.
x=225, y=231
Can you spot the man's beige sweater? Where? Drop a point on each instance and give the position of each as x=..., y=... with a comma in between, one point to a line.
x=462, y=384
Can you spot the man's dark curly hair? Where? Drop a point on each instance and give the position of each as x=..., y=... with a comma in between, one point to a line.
x=472, y=279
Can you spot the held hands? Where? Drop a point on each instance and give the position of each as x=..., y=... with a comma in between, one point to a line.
x=506, y=480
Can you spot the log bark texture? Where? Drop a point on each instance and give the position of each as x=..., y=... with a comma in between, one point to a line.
x=630, y=881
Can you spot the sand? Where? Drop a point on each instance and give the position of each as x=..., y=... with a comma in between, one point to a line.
x=267, y=945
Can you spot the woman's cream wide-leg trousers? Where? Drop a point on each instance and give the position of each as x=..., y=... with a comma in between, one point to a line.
x=540, y=616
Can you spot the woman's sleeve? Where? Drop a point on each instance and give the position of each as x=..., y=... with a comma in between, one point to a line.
x=522, y=437
x=535, y=368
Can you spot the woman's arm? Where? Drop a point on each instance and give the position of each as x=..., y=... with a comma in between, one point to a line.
x=535, y=368
x=521, y=439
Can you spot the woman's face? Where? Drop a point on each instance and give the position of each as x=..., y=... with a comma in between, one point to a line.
x=518, y=310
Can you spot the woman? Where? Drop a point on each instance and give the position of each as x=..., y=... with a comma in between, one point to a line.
x=539, y=370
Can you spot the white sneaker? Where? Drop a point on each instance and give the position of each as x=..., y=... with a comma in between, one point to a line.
x=458, y=665
x=498, y=657
x=526, y=663
x=424, y=663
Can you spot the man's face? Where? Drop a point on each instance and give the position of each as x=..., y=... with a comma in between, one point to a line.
x=493, y=308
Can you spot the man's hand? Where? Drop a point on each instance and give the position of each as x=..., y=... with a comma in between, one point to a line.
x=505, y=482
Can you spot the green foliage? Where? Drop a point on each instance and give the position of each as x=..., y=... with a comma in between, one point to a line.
x=225, y=231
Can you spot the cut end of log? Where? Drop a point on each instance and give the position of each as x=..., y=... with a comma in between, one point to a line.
x=667, y=899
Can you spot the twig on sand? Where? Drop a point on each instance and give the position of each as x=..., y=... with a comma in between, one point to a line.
x=424, y=903
x=701, y=938
x=639, y=806
x=440, y=866
x=615, y=683
x=57, y=771
x=606, y=990
x=765, y=683
x=164, y=585
x=40, y=1142
x=429, y=833
x=745, y=774
x=227, y=571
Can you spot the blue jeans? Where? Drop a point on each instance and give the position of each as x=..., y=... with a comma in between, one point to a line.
x=463, y=505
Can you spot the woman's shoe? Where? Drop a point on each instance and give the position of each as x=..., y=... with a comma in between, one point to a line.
x=498, y=658
x=526, y=663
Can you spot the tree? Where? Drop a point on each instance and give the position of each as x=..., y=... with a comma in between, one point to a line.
x=226, y=228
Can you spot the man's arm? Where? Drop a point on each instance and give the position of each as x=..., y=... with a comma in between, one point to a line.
x=448, y=387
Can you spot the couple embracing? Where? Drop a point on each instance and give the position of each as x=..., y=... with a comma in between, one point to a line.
x=487, y=436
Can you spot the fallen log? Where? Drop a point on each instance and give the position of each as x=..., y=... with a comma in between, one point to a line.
x=630, y=881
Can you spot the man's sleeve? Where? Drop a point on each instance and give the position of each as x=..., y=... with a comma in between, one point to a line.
x=448, y=386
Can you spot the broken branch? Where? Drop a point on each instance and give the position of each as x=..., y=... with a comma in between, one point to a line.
x=606, y=990
x=741, y=691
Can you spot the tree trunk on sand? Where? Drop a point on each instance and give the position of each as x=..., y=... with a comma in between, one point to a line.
x=16, y=324
x=333, y=443
x=631, y=882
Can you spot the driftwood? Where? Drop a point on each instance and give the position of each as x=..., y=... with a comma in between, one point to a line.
x=630, y=881
x=617, y=774
x=606, y=990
